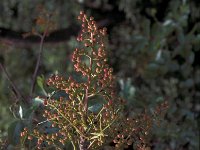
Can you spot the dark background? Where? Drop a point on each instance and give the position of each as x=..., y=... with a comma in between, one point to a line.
x=153, y=46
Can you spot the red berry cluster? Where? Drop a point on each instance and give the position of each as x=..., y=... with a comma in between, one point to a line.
x=132, y=131
x=71, y=115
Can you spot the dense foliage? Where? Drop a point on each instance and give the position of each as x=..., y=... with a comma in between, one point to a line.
x=154, y=52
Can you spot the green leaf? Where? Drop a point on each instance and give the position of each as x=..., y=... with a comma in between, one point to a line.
x=189, y=83
x=37, y=101
x=191, y=58
x=95, y=108
x=159, y=99
x=17, y=111
x=21, y=112
x=127, y=89
x=35, y=104
x=58, y=94
x=96, y=103
x=14, y=131
x=40, y=83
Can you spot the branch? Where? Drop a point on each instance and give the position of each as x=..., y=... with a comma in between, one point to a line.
x=16, y=91
x=14, y=38
x=38, y=62
x=83, y=144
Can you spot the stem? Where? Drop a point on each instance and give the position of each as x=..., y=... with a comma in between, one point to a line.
x=89, y=77
x=77, y=130
x=87, y=90
x=83, y=145
x=73, y=144
x=16, y=91
x=38, y=62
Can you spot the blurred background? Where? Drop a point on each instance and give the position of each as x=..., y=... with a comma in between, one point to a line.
x=153, y=46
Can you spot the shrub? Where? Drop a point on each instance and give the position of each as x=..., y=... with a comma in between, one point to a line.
x=162, y=53
x=87, y=112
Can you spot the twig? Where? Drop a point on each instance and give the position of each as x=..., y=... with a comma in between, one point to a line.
x=83, y=144
x=16, y=91
x=42, y=37
x=13, y=38
x=38, y=62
